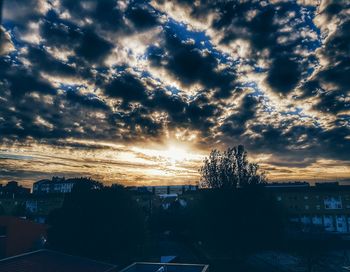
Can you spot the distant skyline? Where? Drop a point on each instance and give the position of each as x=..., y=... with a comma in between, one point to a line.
x=139, y=92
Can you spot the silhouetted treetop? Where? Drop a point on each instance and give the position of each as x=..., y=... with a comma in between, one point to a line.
x=229, y=169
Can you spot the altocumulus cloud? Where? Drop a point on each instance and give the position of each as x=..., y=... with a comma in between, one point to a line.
x=273, y=75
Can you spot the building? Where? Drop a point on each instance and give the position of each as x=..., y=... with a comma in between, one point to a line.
x=165, y=267
x=12, y=189
x=323, y=206
x=162, y=190
x=55, y=185
x=47, y=260
x=19, y=235
x=59, y=185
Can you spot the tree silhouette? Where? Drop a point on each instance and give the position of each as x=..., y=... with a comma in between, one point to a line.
x=229, y=169
x=235, y=223
x=104, y=224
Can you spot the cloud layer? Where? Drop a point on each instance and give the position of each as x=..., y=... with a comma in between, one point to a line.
x=82, y=75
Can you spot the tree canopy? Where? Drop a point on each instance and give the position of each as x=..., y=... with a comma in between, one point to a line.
x=104, y=224
x=230, y=169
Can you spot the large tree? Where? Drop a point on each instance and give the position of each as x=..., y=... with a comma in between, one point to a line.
x=101, y=223
x=230, y=169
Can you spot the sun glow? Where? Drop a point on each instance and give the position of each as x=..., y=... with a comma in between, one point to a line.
x=176, y=153
x=173, y=153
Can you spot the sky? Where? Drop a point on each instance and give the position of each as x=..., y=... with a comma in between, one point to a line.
x=139, y=92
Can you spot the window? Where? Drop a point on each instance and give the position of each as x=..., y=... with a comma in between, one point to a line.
x=279, y=198
x=306, y=207
x=306, y=197
x=333, y=202
x=318, y=207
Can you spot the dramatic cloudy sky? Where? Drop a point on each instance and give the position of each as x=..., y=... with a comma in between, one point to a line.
x=139, y=91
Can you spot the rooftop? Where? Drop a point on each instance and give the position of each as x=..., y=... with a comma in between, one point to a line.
x=47, y=260
x=165, y=267
x=306, y=187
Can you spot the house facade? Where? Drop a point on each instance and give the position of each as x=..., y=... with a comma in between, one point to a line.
x=55, y=185
x=323, y=206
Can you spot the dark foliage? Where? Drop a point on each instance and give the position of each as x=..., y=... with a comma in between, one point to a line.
x=101, y=223
x=229, y=170
x=313, y=248
x=238, y=222
x=176, y=219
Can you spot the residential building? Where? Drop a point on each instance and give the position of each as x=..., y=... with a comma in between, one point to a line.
x=165, y=267
x=323, y=206
x=12, y=189
x=58, y=185
x=55, y=185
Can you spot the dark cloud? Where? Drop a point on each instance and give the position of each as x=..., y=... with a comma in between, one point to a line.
x=161, y=100
x=298, y=142
x=142, y=16
x=55, y=117
x=190, y=65
x=139, y=124
x=110, y=15
x=284, y=74
x=194, y=114
x=65, y=35
x=22, y=12
x=105, y=14
x=42, y=61
x=235, y=123
x=92, y=47
x=88, y=100
x=333, y=101
x=18, y=79
x=59, y=33
x=332, y=83
x=127, y=87
x=261, y=23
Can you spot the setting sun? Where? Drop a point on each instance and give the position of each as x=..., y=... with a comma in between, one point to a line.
x=176, y=153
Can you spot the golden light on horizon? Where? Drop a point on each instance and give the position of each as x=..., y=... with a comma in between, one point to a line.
x=176, y=153
x=172, y=153
x=172, y=162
